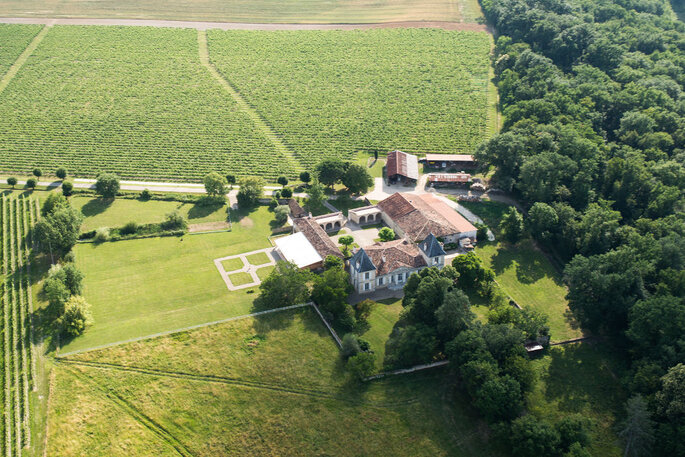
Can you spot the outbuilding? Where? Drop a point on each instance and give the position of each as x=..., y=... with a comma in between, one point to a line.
x=402, y=168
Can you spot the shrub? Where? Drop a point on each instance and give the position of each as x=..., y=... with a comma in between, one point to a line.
x=386, y=234
x=67, y=188
x=101, y=235
x=12, y=181
x=145, y=195
x=77, y=316
x=282, y=180
x=37, y=172
x=130, y=228
x=362, y=365
x=482, y=233
x=31, y=183
x=174, y=221
x=332, y=261
x=107, y=185
x=281, y=214
x=350, y=346
x=305, y=177
x=251, y=190
x=230, y=179
x=286, y=193
x=61, y=173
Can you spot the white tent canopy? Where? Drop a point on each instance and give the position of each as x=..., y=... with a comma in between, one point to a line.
x=297, y=249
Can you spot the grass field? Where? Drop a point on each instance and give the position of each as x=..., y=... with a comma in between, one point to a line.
x=585, y=379
x=318, y=11
x=258, y=259
x=335, y=93
x=107, y=213
x=272, y=385
x=193, y=290
x=382, y=320
x=525, y=274
x=238, y=279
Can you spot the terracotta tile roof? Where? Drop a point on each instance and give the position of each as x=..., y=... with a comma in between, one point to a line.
x=317, y=237
x=420, y=215
x=295, y=209
x=401, y=163
x=390, y=256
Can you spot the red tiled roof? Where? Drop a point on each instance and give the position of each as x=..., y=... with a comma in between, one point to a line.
x=420, y=215
x=401, y=163
x=317, y=237
x=390, y=256
x=449, y=177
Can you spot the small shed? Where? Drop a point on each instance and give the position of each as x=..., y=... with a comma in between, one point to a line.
x=449, y=179
x=449, y=161
x=402, y=168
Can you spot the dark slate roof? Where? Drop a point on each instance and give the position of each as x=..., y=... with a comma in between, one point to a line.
x=431, y=246
x=361, y=262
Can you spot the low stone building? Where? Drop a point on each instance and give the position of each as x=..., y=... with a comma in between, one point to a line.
x=415, y=216
x=389, y=265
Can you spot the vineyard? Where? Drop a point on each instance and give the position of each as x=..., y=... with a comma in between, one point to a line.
x=13, y=41
x=335, y=93
x=159, y=104
x=18, y=367
x=135, y=101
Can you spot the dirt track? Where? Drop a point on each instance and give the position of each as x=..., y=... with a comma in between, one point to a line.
x=244, y=26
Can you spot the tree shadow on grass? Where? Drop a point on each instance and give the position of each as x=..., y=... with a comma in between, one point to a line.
x=96, y=206
x=198, y=211
x=581, y=377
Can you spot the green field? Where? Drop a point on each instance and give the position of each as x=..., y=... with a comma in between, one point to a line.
x=13, y=41
x=582, y=378
x=130, y=100
x=318, y=11
x=123, y=279
x=272, y=385
x=153, y=111
x=115, y=213
x=336, y=93
x=525, y=274
x=382, y=320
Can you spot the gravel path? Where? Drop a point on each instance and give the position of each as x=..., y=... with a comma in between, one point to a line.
x=243, y=25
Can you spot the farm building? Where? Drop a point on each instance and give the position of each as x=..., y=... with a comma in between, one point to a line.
x=416, y=216
x=296, y=211
x=449, y=179
x=450, y=161
x=389, y=265
x=402, y=168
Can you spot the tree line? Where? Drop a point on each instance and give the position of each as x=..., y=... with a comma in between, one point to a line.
x=592, y=145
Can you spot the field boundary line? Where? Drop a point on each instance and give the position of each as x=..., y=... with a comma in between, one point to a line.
x=136, y=414
x=23, y=57
x=178, y=330
x=255, y=117
x=413, y=369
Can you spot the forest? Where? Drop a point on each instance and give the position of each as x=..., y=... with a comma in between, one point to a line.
x=592, y=144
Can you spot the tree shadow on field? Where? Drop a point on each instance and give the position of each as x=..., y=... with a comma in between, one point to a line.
x=198, y=211
x=581, y=377
x=96, y=206
x=502, y=259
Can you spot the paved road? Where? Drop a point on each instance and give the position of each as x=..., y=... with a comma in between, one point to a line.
x=186, y=188
x=243, y=25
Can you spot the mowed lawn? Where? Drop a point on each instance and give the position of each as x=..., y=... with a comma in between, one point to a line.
x=382, y=320
x=270, y=385
x=140, y=287
x=332, y=11
x=526, y=275
x=100, y=212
